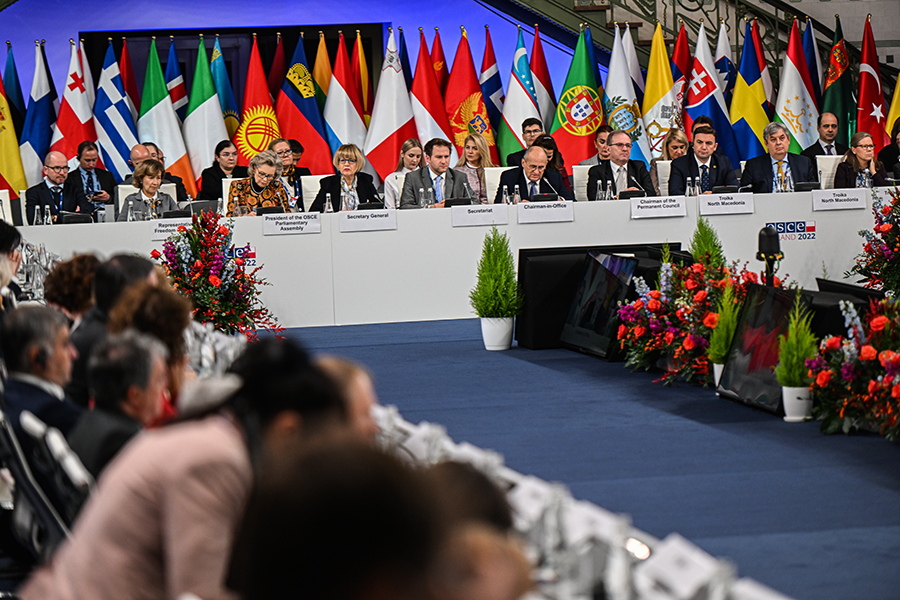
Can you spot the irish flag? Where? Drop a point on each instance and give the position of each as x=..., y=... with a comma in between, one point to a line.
x=520, y=104
x=159, y=124
x=204, y=126
x=796, y=103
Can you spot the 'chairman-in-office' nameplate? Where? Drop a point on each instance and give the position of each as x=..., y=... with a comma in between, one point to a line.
x=725, y=204
x=658, y=207
x=368, y=220
x=848, y=199
x=472, y=215
x=291, y=223
x=545, y=212
x=163, y=228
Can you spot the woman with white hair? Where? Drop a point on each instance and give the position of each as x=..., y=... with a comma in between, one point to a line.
x=262, y=188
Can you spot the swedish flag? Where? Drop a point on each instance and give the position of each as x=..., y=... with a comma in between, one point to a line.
x=748, y=113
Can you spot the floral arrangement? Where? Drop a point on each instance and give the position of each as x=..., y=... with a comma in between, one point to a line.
x=856, y=379
x=879, y=262
x=201, y=266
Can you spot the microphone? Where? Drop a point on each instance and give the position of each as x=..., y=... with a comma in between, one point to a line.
x=637, y=184
x=551, y=186
x=749, y=186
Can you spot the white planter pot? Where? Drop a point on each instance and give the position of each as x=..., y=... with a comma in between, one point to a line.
x=797, y=404
x=497, y=333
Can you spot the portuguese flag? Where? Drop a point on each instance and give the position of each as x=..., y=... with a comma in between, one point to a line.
x=579, y=112
x=838, y=95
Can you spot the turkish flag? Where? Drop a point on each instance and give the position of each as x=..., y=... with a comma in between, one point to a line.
x=871, y=115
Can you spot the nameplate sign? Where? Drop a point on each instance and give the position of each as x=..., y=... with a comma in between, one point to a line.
x=368, y=220
x=658, y=207
x=545, y=212
x=163, y=228
x=291, y=223
x=852, y=198
x=479, y=214
x=725, y=204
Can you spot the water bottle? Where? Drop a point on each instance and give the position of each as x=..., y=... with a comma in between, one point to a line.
x=48, y=220
x=517, y=197
x=130, y=216
x=328, y=207
x=505, y=194
x=867, y=179
x=428, y=197
x=101, y=214
x=690, y=189
x=789, y=182
x=470, y=195
x=609, y=191
x=37, y=216
x=600, y=193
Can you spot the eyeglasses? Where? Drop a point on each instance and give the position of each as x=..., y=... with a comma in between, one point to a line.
x=347, y=161
x=62, y=169
x=621, y=146
x=228, y=155
x=264, y=176
x=284, y=153
x=866, y=146
x=535, y=167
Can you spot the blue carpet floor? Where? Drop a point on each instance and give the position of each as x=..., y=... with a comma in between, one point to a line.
x=814, y=516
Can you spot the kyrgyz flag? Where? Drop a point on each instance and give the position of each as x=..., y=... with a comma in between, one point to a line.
x=464, y=102
x=579, y=113
x=837, y=98
x=259, y=125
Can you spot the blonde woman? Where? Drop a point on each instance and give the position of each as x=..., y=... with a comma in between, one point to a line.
x=674, y=145
x=859, y=159
x=351, y=187
x=410, y=160
x=476, y=157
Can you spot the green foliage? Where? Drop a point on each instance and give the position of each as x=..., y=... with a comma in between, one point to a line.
x=793, y=349
x=721, y=336
x=705, y=246
x=496, y=293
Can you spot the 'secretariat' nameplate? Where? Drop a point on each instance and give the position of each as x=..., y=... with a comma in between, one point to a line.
x=479, y=214
x=368, y=220
x=163, y=228
x=658, y=207
x=291, y=223
x=725, y=204
x=851, y=198
x=546, y=212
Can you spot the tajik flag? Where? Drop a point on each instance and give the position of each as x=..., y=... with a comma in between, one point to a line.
x=344, y=120
x=39, y=119
x=112, y=118
x=75, y=123
x=392, y=117
x=796, y=103
x=871, y=115
x=204, y=126
x=543, y=87
x=520, y=104
x=159, y=124
x=661, y=108
x=622, y=107
x=427, y=102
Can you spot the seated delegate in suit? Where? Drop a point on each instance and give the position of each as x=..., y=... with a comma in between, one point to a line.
x=600, y=138
x=224, y=167
x=674, y=145
x=475, y=159
x=826, y=145
x=351, y=187
x=49, y=191
x=760, y=173
x=148, y=202
x=436, y=175
x=531, y=129
x=87, y=179
x=889, y=156
x=410, y=157
x=702, y=165
x=621, y=173
x=262, y=188
x=858, y=160
x=555, y=163
x=532, y=177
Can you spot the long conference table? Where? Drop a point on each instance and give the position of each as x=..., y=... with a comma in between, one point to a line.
x=418, y=265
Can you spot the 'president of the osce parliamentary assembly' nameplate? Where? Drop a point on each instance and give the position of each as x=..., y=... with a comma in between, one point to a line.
x=479, y=214
x=163, y=228
x=291, y=223
x=545, y=212
x=725, y=204
x=839, y=199
x=368, y=220
x=658, y=206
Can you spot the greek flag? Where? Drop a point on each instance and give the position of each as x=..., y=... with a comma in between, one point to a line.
x=112, y=118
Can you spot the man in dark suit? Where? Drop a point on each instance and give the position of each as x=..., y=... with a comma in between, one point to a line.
x=760, y=173
x=435, y=175
x=621, y=173
x=531, y=129
x=157, y=154
x=87, y=178
x=826, y=144
x=702, y=165
x=532, y=178
x=49, y=191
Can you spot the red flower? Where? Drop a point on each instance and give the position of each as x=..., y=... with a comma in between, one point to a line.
x=639, y=331
x=638, y=304
x=867, y=352
x=873, y=385
x=155, y=254
x=886, y=357
x=222, y=230
x=654, y=305
x=239, y=261
x=700, y=296
x=823, y=378
x=711, y=320
x=833, y=343
x=622, y=331
x=895, y=391
x=655, y=294
x=697, y=268
x=878, y=323
x=688, y=343
x=886, y=210
x=690, y=284
x=182, y=229
x=198, y=264
x=884, y=228
x=669, y=337
x=215, y=281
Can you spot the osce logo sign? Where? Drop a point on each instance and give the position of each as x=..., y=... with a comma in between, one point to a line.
x=795, y=230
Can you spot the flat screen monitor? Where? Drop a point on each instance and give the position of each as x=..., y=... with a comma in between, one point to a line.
x=850, y=289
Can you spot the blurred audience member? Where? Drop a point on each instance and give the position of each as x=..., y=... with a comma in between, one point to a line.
x=889, y=156
x=69, y=286
x=10, y=240
x=355, y=383
x=468, y=495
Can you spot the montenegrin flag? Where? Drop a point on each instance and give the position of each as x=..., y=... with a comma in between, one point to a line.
x=344, y=120
x=204, y=126
x=259, y=125
x=159, y=124
x=427, y=102
x=75, y=122
x=392, y=117
x=464, y=102
x=748, y=104
x=579, y=112
x=520, y=104
x=796, y=103
x=620, y=103
x=299, y=117
x=660, y=99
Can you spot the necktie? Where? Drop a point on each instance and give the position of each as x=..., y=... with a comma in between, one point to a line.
x=704, y=178
x=829, y=150
x=90, y=187
x=532, y=189
x=620, y=180
x=56, y=196
x=781, y=172
x=438, y=192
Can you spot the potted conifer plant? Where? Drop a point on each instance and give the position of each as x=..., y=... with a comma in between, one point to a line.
x=721, y=336
x=496, y=297
x=792, y=373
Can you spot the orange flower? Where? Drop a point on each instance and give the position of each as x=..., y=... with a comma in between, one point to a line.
x=833, y=343
x=688, y=343
x=878, y=323
x=622, y=331
x=873, y=385
x=669, y=337
x=711, y=320
x=239, y=261
x=867, y=352
x=885, y=227
x=823, y=378
x=700, y=296
x=690, y=284
x=222, y=230
x=697, y=267
x=895, y=391
x=215, y=281
x=639, y=331
x=655, y=294
x=654, y=305
x=638, y=304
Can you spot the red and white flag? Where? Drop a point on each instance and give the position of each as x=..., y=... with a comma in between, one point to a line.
x=871, y=115
x=88, y=76
x=439, y=62
x=75, y=123
x=543, y=87
x=132, y=97
x=427, y=101
x=392, y=117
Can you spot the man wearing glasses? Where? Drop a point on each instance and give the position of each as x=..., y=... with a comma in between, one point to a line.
x=49, y=191
x=532, y=178
x=87, y=186
x=619, y=173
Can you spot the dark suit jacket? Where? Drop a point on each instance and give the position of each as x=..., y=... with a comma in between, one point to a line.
x=890, y=156
x=816, y=150
x=211, y=181
x=99, y=435
x=180, y=190
x=551, y=183
x=845, y=177
x=720, y=172
x=637, y=172
x=90, y=332
x=515, y=159
x=19, y=396
x=421, y=178
x=365, y=189
x=758, y=172
x=73, y=190
x=39, y=196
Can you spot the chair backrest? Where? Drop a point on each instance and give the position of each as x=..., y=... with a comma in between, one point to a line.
x=827, y=167
x=579, y=181
x=310, y=184
x=492, y=181
x=226, y=188
x=122, y=191
x=663, y=170
x=22, y=211
x=7, y=207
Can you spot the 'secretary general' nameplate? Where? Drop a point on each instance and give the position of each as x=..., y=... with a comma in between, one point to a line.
x=725, y=204
x=658, y=207
x=291, y=223
x=368, y=220
x=479, y=214
x=839, y=199
x=545, y=212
